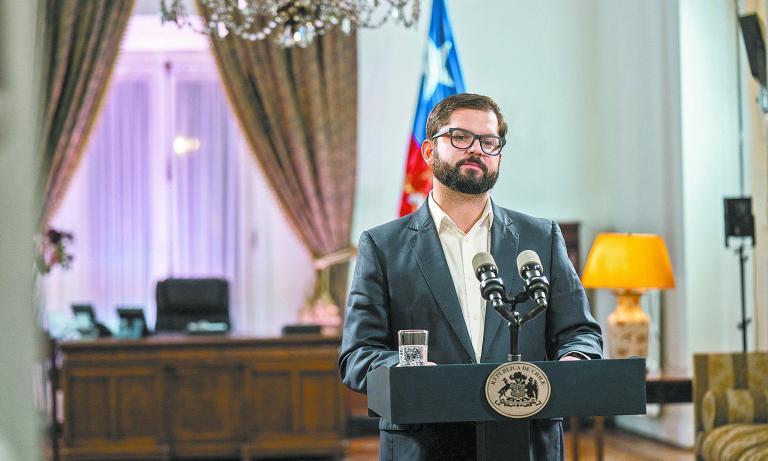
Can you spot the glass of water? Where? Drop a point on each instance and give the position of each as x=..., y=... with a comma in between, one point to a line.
x=413, y=347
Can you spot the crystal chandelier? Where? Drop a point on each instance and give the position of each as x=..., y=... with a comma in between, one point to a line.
x=290, y=22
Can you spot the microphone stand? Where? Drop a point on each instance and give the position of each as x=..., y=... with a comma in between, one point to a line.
x=492, y=289
x=507, y=308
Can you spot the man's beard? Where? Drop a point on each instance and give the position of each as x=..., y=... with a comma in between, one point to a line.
x=470, y=182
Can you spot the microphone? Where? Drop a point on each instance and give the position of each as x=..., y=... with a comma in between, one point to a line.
x=491, y=285
x=536, y=284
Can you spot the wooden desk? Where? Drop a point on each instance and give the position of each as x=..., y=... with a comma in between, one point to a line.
x=182, y=397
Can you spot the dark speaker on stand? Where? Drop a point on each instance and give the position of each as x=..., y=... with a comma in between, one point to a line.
x=752, y=31
x=740, y=223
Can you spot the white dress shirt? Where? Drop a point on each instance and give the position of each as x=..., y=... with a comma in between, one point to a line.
x=459, y=249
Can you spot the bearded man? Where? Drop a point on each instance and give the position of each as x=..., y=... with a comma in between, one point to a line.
x=416, y=273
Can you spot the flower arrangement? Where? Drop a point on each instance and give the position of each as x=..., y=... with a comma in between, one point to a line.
x=52, y=250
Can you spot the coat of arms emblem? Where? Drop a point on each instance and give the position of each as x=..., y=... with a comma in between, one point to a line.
x=517, y=389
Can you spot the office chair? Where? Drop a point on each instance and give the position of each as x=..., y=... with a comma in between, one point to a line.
x=181, y=301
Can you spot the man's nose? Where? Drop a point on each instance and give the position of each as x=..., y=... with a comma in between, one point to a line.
x=476, y=151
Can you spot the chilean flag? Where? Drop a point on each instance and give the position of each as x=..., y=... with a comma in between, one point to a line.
x=441, y=78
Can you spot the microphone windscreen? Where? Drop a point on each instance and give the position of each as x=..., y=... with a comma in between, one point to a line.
x=482, y=259
x=526, y=257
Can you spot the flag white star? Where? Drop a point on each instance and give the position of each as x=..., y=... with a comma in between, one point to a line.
x=436, y=68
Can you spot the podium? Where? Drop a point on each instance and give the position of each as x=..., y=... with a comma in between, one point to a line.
x=456, y=393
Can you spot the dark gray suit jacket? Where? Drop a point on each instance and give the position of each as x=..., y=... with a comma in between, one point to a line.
x=402, y=281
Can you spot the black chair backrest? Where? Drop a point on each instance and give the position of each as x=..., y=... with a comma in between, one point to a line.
x=181, y=301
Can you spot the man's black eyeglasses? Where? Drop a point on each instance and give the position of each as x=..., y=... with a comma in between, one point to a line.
x=462, y=139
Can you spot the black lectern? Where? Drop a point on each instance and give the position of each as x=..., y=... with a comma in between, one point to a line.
x=452, y=393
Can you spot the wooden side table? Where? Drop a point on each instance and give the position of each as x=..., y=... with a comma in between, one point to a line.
x=668, y=387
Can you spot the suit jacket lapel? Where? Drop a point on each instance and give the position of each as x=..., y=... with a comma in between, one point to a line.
x=426, y=246
x=504, y=245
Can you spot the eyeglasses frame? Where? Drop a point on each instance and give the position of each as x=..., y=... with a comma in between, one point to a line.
x=475, y=137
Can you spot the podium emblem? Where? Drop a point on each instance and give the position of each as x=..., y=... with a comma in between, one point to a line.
x=517, y=389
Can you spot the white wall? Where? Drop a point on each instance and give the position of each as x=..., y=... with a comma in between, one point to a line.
x=18, y=210
x=535, y=60
x=708, y=46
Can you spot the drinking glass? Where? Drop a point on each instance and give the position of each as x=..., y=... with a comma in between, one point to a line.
x=413, y=345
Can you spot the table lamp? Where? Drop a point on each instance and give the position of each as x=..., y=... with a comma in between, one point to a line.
x=628, y=264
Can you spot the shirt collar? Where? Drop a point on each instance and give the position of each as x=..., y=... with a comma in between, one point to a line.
x=442, y=219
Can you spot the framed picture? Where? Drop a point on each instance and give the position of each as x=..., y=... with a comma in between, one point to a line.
x=132, y=323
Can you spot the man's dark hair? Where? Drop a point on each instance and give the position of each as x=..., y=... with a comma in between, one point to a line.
x=441, y=113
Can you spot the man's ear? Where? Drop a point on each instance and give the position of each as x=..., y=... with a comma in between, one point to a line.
x=427, y=150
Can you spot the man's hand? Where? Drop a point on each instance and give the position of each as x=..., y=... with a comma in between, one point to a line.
x=568, y=357
x=575, y=355
x=428, y=364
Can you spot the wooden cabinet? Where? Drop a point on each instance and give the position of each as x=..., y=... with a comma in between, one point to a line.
x=185, y=397
x=118, y=409
x=205, y=408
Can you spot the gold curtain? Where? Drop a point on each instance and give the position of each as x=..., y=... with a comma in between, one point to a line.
x=81, y=43
x=298, y=110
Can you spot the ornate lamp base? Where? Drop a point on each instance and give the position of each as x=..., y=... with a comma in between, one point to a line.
x=627, y=327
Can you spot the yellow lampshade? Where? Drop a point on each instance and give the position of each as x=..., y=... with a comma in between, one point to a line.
x=627, y=262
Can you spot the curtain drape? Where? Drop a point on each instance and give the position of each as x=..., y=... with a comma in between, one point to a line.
x=113, y=237
x=204, y=200
x=81, y=43
x=298, y=110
